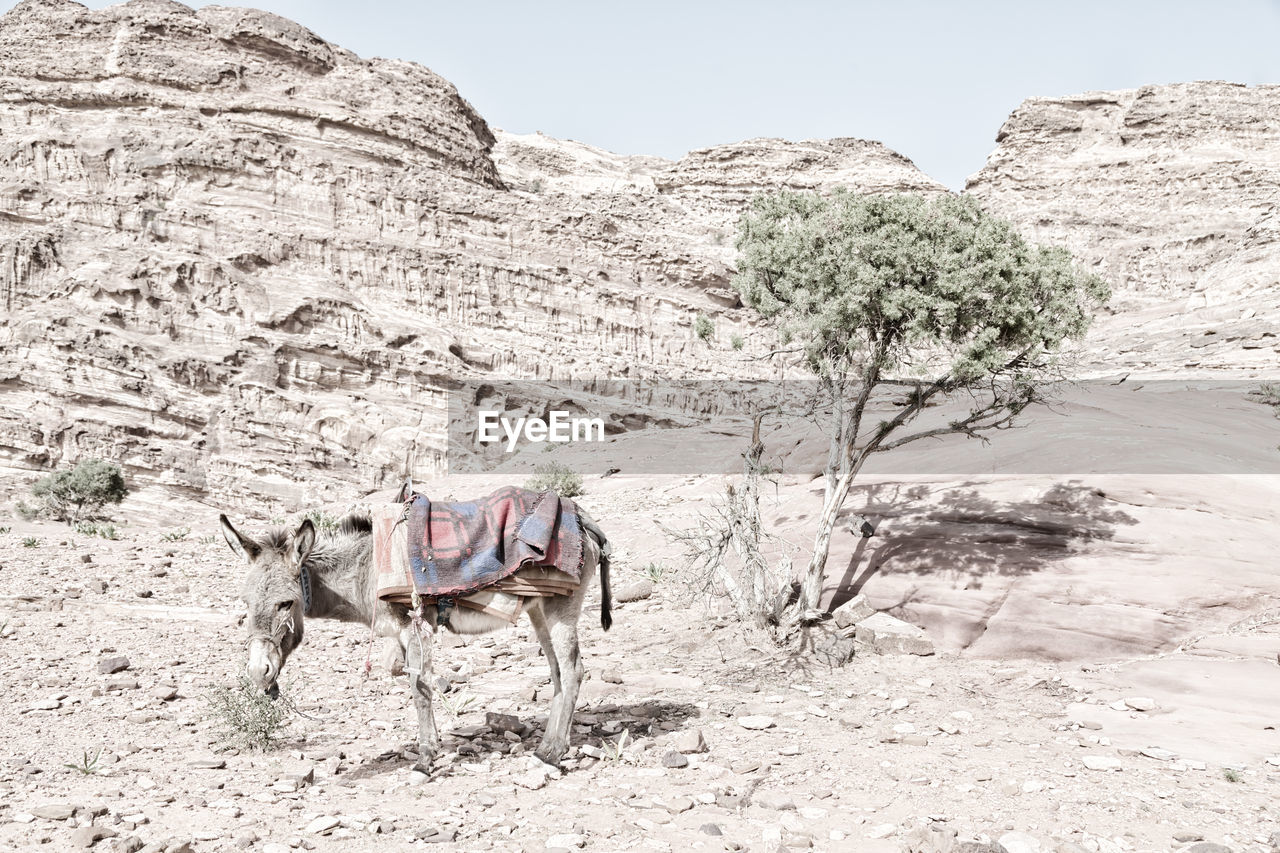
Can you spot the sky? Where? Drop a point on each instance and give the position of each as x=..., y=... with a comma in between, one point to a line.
x=932, y=80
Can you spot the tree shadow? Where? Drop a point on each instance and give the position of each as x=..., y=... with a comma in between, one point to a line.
x=967, y=535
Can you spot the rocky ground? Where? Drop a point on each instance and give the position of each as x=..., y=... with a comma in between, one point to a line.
x=110, y=649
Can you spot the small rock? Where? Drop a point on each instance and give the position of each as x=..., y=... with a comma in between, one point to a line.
x=165, y=692
x=674, y=759
x=1159, y=754
x=532, y=779
x=883, y=830
x=1187, y=837
x=209, y=764
x=886, y=635
x=322, y=825
x=55, y=811
x=436, y=835
x=504, y=723
x=711, y=829
x=1140, y=703
x=852, y=611
x=1101, y=762
x=637, y=590
x=689, y=741
x=567, y=841
x=87, y=836
x=611, y=676
x=756, y=722
x=776, y=800
x=1019, y=842
x=113, y=664
x=679, y=805
x=1207, y=847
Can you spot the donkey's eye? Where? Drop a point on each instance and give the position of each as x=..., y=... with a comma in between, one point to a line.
x=284, y=605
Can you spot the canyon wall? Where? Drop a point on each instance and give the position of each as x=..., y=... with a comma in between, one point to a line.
x=243, y=261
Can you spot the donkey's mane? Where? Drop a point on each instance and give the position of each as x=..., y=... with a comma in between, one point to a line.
x=354, y=524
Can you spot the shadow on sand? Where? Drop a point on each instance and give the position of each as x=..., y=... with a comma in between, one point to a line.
x=960, y=532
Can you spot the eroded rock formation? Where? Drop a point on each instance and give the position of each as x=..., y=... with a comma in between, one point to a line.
x=242, y=260
x=1173, y=192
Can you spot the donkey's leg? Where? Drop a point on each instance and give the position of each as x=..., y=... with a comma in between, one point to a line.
x=539, y=621
x=562, y=623
x=417, y=663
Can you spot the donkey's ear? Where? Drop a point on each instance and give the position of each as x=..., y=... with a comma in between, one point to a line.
x=304, y=538
x=245, y=548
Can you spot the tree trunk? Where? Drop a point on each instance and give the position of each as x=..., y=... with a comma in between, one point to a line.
x=811, y=591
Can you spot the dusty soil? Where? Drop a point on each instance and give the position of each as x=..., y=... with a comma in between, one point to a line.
x=885, y=752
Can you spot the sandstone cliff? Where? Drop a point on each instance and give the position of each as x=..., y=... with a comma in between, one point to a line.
x=242, y=260
x=1173, y=192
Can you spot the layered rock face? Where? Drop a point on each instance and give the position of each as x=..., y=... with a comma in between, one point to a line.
x=244, y=261
x=1173, y=192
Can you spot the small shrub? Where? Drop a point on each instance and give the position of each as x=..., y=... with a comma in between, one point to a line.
x=207, y=540
x=458, y=704
x=81, y=492
x=104, y=530
x=703, y=328
x=4, y=530
x=654, y=572
x=177, y=534
x=25, y=511
x=736, y=341
x=1230, y=775
x=1268, y=394
x=86, y=765
x=248, y=718
x=561, y=479
x=31, y=542
x=322, y=520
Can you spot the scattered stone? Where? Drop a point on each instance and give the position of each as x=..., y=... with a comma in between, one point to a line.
x=1187, y=837
x=322, y=825
x=87, y=836
x=113, y=664
x=711, y=829
x=611, y=676
x=1207, y=847
x=209, y=764
x=98, y=586
x=852, y=611
x=1101, y=762
x=776, y=800
x=883, y=830
x=500, y=723
x=886, y=635
x=436, y=835
x=1019, y=842
x=55, y=811
x=165, y=692
x=50, y=703
x=532, y=779
x=689, y=741
x=1159, y=754
x=679, y=805
x=566, y=841
x=756, y=722
x=637, y=590
x=1140, y=703
x=675, y=759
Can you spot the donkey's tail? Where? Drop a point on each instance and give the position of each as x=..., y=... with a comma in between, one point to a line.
x=606, y=551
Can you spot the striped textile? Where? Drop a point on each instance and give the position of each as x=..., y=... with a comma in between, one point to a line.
x=452, y=549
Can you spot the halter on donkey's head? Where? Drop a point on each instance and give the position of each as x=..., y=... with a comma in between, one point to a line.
x=277, y=594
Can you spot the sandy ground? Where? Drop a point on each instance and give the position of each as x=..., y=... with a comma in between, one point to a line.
x=1110, y=752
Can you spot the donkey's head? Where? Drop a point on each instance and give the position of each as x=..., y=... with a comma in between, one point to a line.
x=274, y=591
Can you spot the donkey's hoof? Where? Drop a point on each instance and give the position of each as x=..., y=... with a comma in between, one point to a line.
x=549, y=756
x=423, y=766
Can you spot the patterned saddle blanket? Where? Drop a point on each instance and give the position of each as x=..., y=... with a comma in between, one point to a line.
x=485, y=553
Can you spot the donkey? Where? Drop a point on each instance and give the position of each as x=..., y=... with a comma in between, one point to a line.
x=297, y=575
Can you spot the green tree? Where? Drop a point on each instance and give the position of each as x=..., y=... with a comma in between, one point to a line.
x=81, y=492
x=919, y=296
